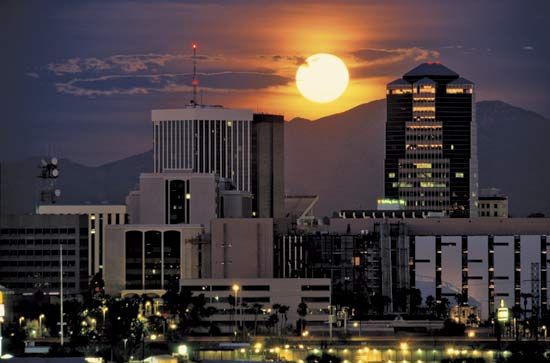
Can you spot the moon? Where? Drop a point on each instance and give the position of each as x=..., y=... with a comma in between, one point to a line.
x=322, y=78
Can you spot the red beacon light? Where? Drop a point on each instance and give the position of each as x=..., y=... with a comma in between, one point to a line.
x=194, y=46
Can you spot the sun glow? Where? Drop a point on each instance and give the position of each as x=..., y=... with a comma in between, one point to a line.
x=322, y=78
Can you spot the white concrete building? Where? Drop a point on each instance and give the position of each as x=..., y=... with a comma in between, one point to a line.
x=174, y=198
x=204, y=139
x=148, y=258
x=266, y=292
x=242, y=248
x=99, y=217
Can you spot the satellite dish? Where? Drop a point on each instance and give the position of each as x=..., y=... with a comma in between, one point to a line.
x=43, y=162
x=55, y=172
x=54, y=161
x=57, y=192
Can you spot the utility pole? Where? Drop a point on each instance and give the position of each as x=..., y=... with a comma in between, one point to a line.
x=61, y=290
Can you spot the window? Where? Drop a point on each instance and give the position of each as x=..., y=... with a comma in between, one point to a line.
x=459, y=175
x=391, y=175
x=315, y=288
x=255, y=287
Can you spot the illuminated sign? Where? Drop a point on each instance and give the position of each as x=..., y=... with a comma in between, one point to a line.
x=503, y=313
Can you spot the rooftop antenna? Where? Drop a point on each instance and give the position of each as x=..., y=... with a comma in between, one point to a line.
x=195, y=81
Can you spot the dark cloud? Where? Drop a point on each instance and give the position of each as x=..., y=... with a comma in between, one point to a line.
x=384, y=56
x=168, y=83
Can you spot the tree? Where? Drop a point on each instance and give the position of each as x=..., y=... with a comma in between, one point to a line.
x=283, y=309
x=415, y=300
x=460, y=299
x=15, y=338
x=122, y=323
x=257, y=309
x=473, y=320
x=302, y=313
x=272, y=322
x=430, y=303
x=379, y=302
x=441, y=309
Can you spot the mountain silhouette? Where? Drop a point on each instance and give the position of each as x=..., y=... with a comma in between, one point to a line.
x=338, y=157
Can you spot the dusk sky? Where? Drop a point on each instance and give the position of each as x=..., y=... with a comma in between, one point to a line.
x=79, y=78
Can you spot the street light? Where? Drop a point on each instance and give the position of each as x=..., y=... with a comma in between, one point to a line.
x=40, y=318
x=21, y=320
x=104, y=310
x=236, y=289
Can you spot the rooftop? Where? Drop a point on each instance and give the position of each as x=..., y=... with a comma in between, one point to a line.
x=431, y=69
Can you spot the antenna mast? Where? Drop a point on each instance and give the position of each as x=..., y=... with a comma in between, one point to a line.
x=195, y=81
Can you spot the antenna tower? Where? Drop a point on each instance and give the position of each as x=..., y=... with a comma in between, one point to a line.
x=195, y=81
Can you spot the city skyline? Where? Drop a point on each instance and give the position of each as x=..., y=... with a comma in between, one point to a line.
x=300, y=182
x=91, y=75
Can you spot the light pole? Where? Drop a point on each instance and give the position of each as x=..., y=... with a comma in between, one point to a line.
x=40, y=318
x=236, y=289
x=125, y=340
x=104, y=310
x=21, y=320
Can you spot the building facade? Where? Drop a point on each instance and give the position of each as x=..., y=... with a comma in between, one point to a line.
x=431, y=141
x=482, y=260
x=264, y=293
x=242, y=248
x=493, y=206
x=99, y=216
x=267, y=166
x=33, y=247
x=151, y=258
x=204, y=139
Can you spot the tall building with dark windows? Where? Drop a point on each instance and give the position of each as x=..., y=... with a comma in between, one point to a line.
x=267, y=166
x=431, y=141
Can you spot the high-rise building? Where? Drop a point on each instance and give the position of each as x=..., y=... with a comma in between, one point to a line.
x=431, y=141
x=204, y=139
x=267, y=167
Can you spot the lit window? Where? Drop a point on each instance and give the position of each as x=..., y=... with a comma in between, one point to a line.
x=459, y=175
x=391, y=175
x=423, y=165
x=188, y=196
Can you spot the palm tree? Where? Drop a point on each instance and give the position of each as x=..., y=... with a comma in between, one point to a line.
x=441, y=309
x=257, y=308
x=302, y=312
x=283, y=309
x=276, y=308
x=272, y=322
x=430, y=303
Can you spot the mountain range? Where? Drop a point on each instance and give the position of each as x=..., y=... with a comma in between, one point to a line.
x=338, y=157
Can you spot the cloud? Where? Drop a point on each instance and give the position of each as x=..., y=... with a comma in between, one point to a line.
x=127, y=63
x=377, y=56
x=139, y=84
x=32, y=75
x=296, y=60
x=528, y=47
